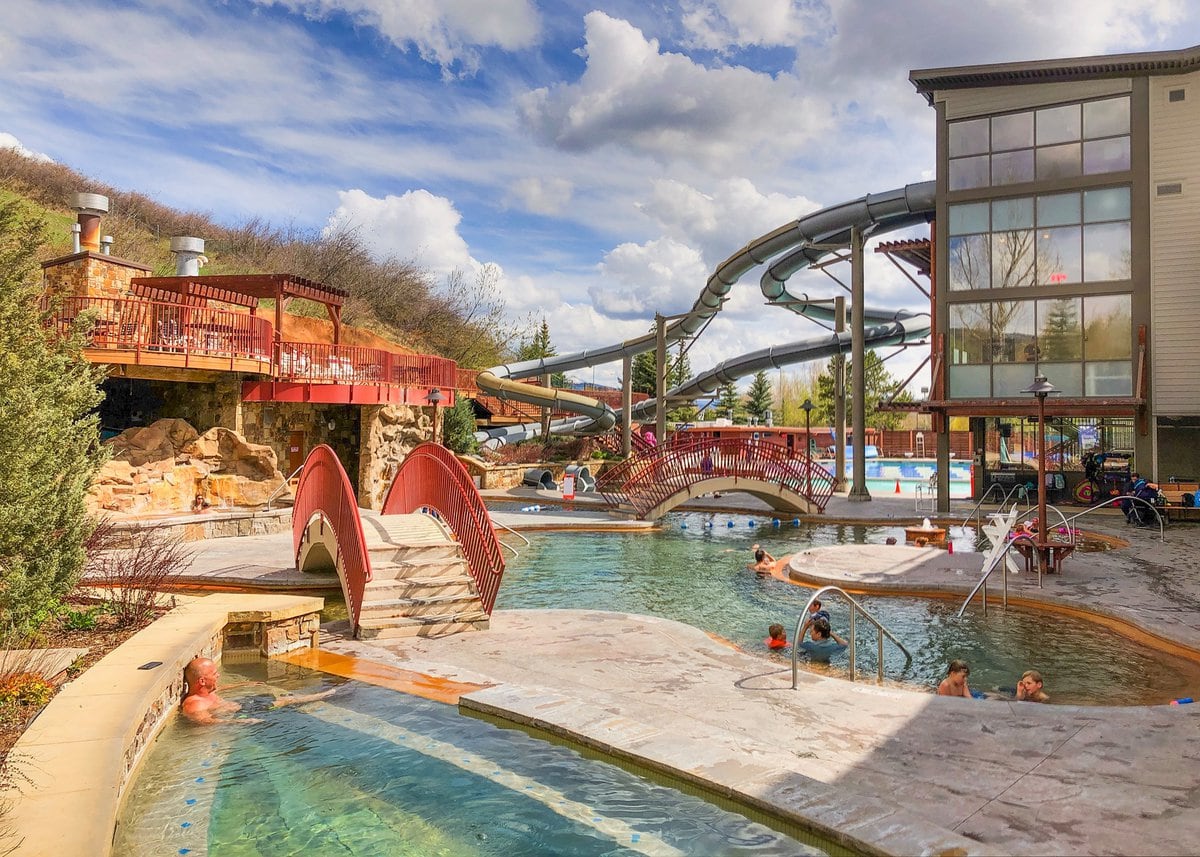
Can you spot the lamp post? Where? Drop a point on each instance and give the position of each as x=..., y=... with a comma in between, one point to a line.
x=808, y=406
x=1041, y=388
x=435, y=398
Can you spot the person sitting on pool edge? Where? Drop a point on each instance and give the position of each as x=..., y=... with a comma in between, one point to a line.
x=776, y=637
x=202, y=705
x=824, y=642
x=1029, y=688
x=955, y=682
x=764, y=563
x=815, y=612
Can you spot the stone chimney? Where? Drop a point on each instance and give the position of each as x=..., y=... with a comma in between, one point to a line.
x=90, y=271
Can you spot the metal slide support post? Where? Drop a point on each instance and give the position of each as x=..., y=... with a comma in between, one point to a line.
x=839, y=399
x=626, y=404
x=660, y=376
x=546, y=380
x=858, y=351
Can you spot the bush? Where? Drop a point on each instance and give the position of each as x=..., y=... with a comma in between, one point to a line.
x=131, y=567
x=458, y=427
x=25, y=689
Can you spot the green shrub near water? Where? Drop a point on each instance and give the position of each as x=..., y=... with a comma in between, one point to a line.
x=458, y=427
x=49, y=442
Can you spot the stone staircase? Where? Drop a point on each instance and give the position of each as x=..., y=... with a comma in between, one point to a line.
x=420, y=584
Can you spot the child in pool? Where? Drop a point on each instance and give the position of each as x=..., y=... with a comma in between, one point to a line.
x=777, y=637
x=955, y=682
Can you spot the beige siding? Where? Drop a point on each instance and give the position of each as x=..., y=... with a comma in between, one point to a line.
x=997, y=99
x=1175, y=247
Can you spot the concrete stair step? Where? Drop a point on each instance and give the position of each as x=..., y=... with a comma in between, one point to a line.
x=414, y=608
x=441, y=569
x=418, y=587
x=425, y=626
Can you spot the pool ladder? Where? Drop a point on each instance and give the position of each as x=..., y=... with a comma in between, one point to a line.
x=855, y=609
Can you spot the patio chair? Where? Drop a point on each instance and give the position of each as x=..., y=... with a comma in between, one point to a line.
x=927, y=495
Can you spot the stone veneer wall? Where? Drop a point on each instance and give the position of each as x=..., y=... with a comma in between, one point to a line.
x=388, y=434
x=89, y=274
x=218, y=403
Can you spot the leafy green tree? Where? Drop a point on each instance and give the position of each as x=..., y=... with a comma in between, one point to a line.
x=458, y=427
x=758, y=397
x=49, y=438
x=879, y=385
x=729, y=402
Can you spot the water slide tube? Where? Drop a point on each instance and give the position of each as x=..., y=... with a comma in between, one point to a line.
x=872, y=214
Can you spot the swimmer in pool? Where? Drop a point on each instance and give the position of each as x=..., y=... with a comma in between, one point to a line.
x=1029, y=688
x=202, y=705
x=764, y=563
x=955, y=682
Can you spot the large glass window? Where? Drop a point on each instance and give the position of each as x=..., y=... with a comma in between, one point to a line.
x=1047, y=240
x=1087, y=138
x=1083, y=344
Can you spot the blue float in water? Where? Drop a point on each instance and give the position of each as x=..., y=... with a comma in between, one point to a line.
x=708, y=524
x=774, y=522
x=751, y=523
x=730, y=525
x=795, y=522
x=683, y=526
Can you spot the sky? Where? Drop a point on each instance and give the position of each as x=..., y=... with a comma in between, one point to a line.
x=606, y=156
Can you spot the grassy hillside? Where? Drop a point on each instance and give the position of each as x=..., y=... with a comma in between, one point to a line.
x=461, y=318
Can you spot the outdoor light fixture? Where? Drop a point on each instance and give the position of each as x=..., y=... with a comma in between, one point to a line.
x=1041, y=388
x=435, y=398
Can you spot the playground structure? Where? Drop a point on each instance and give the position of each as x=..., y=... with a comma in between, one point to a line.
x=802, y=243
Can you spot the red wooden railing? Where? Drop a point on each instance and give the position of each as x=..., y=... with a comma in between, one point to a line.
x=354, y=364
x=325, y=492
x=646, y=480
x=431, y=478
x=128, y=324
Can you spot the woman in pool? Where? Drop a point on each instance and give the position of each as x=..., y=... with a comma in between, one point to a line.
x=764, y=563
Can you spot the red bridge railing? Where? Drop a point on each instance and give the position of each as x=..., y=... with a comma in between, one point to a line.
x=646, y=480
x=354, y=364
x=432, y=478
x=325, y=492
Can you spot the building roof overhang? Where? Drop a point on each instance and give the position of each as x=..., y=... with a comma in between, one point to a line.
x=930, y=80
x=244, y=289
x=916, y=252
x=1057, y=406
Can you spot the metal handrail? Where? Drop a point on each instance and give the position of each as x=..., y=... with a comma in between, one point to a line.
x=1000, y=559
x=325, y=493
x=431, y=476
x=855, y=608
x=1162, y=533
x=1003, y=500
x=279, y=490
x=520, y=536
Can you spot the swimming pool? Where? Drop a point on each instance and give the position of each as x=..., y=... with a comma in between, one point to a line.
x=373, y=772
x=884, y=474
x=698, y=576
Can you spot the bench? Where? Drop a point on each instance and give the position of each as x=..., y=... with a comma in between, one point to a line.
x=1175, y=509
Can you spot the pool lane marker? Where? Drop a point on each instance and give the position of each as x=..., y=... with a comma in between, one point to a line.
x=620, y=832
x=381, y=675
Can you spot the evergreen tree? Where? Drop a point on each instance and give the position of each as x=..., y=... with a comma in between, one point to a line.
x=49, y=438
x=458, y=427
x=729, y=403
x=879, y=385
x=678, y=371
x=1060, y=336
x=645, y=373
x=758, y=397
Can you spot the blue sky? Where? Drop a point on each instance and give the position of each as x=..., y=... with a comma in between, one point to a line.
x=606, y=156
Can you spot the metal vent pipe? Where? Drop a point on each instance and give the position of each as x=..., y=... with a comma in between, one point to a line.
x=188, y=253
x=89, y=207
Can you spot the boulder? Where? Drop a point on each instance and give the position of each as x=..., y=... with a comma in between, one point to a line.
x=228, y=453
x=162, y=439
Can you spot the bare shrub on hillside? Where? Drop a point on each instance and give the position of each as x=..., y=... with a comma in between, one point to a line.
x=131, y=565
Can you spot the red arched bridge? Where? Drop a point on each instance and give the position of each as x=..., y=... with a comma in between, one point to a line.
x=428, y=564
x=656, y=481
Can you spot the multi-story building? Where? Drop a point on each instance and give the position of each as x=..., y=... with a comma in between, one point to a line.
x=1066, y=245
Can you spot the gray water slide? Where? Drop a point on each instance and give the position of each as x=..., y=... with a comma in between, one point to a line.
x=804, y=241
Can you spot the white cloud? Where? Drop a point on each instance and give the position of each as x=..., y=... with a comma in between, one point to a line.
x=8, y=141
x=542, y=195
x=721, y=24
x=415, y=225
x=665, y=105
x=444, y=32
x=641, y=279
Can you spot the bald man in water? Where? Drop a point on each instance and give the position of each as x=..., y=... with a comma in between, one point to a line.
x=201, y=704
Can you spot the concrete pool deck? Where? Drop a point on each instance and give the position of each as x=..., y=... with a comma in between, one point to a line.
x=899, y=770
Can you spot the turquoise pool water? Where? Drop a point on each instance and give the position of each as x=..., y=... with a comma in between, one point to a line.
x=885, y=474
x=376, y=773
x=698, y=575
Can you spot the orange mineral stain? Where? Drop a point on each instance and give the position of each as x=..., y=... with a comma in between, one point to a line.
x=382, y=675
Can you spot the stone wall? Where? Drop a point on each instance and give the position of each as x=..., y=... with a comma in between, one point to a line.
x=272, y=424
x=273, y=636
x=89, y=274
x=218, y=403
x=388, y=434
